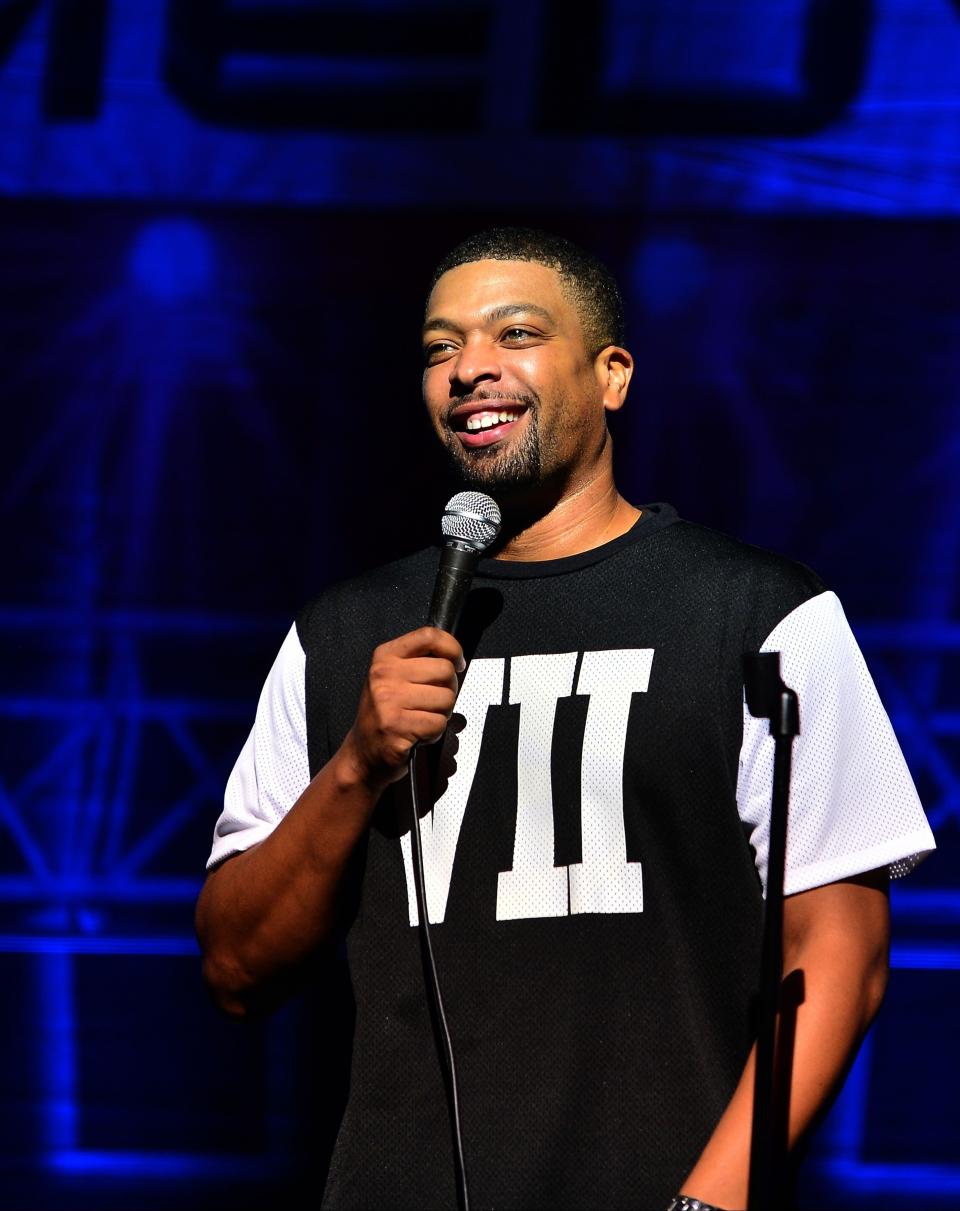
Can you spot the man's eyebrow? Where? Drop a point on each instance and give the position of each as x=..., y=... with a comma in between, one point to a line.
x=501, y=313
x=439, y=321
x=491, y=317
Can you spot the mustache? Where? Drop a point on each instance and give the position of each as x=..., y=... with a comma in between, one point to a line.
x=529, y=399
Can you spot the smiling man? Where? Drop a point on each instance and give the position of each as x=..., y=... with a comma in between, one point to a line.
x=595, y=859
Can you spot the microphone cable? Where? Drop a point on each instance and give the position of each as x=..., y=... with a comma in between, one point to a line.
x=435, y=1000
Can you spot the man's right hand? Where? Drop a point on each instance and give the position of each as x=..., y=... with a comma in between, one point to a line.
x=409, y=693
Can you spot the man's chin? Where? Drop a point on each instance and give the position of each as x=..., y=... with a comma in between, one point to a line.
x=509, y=491
x=485, y=464
x=491, y=470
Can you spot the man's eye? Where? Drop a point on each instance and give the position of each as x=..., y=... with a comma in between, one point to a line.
x=517, y=334
x=437, y=350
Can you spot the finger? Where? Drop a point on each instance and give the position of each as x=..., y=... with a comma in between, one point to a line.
x=423, y=727
x=426, y=641
x=436, y=699
x=429, y=670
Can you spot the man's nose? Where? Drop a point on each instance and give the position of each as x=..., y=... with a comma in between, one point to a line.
x=476, y=362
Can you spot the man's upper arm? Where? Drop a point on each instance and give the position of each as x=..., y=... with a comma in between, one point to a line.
x=853, y=910
x=853, y=805
x=273, y=769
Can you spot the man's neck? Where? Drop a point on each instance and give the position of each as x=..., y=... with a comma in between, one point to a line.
x=585, y=519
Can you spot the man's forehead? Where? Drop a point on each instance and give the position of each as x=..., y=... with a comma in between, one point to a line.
x=489, y=285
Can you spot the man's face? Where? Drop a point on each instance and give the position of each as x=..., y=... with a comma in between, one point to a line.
x=510, y=388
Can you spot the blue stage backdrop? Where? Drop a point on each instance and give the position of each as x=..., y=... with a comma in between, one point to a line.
x=218, y=220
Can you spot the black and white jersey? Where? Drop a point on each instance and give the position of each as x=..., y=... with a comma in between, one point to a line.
x=595, y=857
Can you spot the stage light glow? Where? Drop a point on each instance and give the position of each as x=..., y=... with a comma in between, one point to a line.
x=172, y=259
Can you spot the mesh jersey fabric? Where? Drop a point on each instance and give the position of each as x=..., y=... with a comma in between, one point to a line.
x=595, y=857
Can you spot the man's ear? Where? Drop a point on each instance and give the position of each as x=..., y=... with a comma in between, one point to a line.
x=614, y=368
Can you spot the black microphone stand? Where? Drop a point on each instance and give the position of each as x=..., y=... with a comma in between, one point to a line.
x=768, y=697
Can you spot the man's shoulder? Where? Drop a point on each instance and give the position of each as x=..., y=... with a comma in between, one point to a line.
x=692, y=552
x=360, y=601
x=723, y=555
x=753, y=586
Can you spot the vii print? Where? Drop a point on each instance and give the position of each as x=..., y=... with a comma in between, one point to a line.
x=603, y=881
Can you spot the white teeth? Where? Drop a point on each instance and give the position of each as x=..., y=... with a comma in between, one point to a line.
x=486, y=420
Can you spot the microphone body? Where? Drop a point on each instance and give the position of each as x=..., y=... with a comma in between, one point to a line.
x=458, y=563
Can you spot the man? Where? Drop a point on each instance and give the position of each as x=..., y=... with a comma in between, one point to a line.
x=596, y=854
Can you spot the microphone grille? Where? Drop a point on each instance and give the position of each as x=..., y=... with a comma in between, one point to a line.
x=472, y=518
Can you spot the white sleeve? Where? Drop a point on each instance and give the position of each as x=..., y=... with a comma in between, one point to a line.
x=853, y=805
x=272, y=770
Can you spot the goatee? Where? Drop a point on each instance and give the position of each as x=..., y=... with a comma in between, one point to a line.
x=508, y=469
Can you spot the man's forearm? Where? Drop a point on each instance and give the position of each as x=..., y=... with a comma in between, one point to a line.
x=843, y=960
x=264, y=911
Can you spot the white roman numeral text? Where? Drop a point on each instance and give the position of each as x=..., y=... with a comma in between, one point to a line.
x=603, y=881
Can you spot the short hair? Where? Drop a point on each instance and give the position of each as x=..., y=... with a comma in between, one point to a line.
x=590, y=283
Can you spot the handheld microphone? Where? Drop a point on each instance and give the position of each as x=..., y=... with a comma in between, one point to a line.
x=471, y=522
